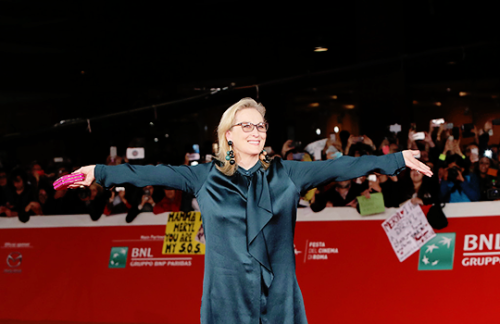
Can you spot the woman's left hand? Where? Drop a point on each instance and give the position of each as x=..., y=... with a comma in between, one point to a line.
x=417, y=201
x=412, y=163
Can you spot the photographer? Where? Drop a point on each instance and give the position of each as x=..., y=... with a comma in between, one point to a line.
x=89, y=201
x=22, y=201
x=342, y=193
x=117, y=203
x=143, y=202
x=359, y=145
x=455, y=186
x=488, y=183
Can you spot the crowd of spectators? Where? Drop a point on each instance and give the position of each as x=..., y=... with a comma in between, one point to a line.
x=30, y=192
x=458, y=176
x=462, y=173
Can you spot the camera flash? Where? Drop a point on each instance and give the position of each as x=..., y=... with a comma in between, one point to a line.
x=488, y=153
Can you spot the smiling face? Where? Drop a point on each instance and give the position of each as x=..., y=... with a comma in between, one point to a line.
x=484, y=165
x=416, y=176
x=251, y=143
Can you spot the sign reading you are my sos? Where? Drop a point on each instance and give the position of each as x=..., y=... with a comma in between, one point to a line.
x=184, y=234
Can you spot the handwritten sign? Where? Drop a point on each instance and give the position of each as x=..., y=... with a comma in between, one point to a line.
x=373, y=205
x=184, y=234
x=408, y=230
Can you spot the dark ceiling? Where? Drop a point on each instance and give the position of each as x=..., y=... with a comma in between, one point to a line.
x=77, y=59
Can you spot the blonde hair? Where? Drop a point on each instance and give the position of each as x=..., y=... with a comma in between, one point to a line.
x=226, y=121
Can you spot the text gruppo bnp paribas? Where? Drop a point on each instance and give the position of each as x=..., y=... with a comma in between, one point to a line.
x=481, y=250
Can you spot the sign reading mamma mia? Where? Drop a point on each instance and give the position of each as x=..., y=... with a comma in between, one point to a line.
x=184, y=234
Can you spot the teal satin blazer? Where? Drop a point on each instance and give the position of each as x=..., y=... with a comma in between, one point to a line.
x=249, y=221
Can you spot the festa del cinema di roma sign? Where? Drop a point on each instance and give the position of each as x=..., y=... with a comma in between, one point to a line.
x=481, y=250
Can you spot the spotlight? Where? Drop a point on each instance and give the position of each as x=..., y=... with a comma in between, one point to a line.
x=320, y=49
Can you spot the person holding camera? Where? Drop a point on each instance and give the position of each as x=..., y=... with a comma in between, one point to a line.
x=341, y=194
x=488, y=181
x=22, y=202
x=143, y=202
x=248, y=204
x=457, y=187
x=359, y=145
x=89, y=201
x=117, y=203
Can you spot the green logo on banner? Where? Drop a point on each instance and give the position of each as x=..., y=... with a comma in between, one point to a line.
x=118, y=257
x=437, y=254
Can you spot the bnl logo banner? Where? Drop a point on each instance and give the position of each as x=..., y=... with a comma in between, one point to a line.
x=118, y=257
x=438, y=253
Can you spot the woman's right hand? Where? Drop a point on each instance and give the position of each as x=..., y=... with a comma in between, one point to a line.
x=88, y=171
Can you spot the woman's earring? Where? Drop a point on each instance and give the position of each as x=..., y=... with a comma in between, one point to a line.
x=266, y=157
x=230, y=153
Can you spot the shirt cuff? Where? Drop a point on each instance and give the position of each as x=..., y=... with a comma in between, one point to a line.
x=99, y=174
x=400, y=162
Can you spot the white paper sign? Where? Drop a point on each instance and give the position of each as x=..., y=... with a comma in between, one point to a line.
x=408, y=230
x=396, y=128
x=315, y=148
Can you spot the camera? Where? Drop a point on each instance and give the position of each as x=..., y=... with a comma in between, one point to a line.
x=453, y=174
x=419, y=136
x=83, y=193
x=493, y=194
x=437, y=122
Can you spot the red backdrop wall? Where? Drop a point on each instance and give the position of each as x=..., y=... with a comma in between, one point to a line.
x=346, y=269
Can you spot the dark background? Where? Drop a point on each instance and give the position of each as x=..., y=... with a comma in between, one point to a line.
x=97, y=62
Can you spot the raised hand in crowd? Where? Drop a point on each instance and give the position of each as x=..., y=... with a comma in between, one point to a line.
x=428, y=140
x=287, y=146
x=453, y=147
x=147, y=198
x=369, y=142
x=456, y=147
x=350, y=141
x=374, y=184
x=412, y=145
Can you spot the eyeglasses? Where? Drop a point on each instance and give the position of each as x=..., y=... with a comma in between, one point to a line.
x=248, y=127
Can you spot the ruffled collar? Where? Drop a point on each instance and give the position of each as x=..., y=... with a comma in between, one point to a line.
x=250, y=171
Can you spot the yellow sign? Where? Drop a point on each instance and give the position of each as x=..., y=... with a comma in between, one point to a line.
x=184, y=234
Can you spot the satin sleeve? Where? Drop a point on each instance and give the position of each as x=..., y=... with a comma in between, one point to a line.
x=307, y=175
x=185, y=178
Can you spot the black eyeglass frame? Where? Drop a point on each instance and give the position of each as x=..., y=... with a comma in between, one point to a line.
x=266, y=126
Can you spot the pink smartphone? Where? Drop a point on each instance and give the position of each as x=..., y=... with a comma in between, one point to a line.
x=67, y=180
